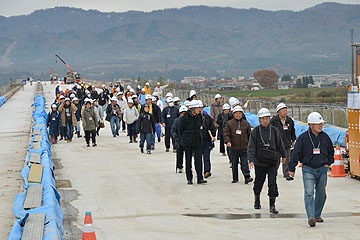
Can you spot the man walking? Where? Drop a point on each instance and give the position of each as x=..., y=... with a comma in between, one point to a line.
x=315, y=151
x=168, y=116
x=113, y=115
x=286, y=127
x=215, y=110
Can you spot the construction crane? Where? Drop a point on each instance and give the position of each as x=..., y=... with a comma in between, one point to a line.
x=71, y=75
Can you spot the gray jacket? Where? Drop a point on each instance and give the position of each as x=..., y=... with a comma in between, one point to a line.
x=89, y=119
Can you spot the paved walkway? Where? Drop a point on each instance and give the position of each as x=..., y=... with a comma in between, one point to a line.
x=138, y=196
x=15, y=118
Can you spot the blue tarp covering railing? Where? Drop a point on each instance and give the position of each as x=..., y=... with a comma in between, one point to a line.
x=3, y=100
x=50, y=206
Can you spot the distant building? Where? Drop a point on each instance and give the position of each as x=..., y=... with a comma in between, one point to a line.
x=188, y=80
x=284, y=85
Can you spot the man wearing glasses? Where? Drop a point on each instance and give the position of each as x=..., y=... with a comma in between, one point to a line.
x=315, y=151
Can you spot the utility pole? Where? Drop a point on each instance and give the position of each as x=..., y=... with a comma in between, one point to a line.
x=352, y=56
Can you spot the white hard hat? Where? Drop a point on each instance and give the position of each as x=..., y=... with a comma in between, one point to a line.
x=121, y=93
x=315, y=118
x=280, y=106
x=200, y=103
x=169, y=99
x=169, y=94
x=130, y=101
x=143, y=89
x=194, y=104
x=118, y=89
x=147, y=84
x=134, y=96
x=87, y=91
x=158, y=83
x=153, y=99
x=187, y=103
x=114, y=99
x=217, y=96
x=148, y=96
x=61, y=97
x=183, y=109
x=72, y=95
x=132, y=90
x=100, y=90
x=233, y=101
x=53, y=105
x=75, y=99
x=128, y=87
x=155, y=94
x=176, y=99
x=238, y=109
x=78, y=87
x=88, y=100
x=60, y=89
x=67, y=99
x=226, y=106
x=103, y=85
x=192, y=93
x=263, y=112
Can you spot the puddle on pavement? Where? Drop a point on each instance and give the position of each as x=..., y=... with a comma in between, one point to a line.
x=70, y=214
x=267, y=215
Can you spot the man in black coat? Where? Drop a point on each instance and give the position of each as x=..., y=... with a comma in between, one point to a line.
x=168, y=116
x=155, y=111
x=189, y=130
x=286, y=127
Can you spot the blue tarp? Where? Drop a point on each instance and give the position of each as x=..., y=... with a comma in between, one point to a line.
x=3, y=100
x=336, y=134
x=53, y=227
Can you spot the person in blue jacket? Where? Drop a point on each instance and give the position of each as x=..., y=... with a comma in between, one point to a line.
x=179, y=147
x=53, y=123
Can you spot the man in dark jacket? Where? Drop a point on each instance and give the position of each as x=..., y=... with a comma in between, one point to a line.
x=190, y=134
x=219, y=121
x=169, y=114
x=146, y=127
x=53, y=123
x=78, y=116
x=178, y=145
x=286, y=127
x=265, y=147
x=207, y=126
x=236, y=136
x=315, y=151
x=154, y=110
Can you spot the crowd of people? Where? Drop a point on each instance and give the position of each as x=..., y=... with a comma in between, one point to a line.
x=190, y=131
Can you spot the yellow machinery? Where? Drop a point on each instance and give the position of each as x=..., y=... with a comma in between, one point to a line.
x=354, y=115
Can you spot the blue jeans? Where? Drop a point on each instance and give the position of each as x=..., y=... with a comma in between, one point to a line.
x=114, y=120
x=314, y=184
x=158, y=129
x=78, y=129
x=131, y=129
x=69, y=130
x=206, y=148
x=147, y=137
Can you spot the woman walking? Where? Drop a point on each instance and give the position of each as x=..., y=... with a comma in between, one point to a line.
x=90, y=123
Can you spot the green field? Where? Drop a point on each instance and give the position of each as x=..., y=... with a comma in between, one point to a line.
x=304, y=95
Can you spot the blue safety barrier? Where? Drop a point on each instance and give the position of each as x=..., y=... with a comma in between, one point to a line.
x=53, y=226
x=3, y=100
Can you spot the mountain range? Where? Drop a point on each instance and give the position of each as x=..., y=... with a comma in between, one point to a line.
x=191, y=40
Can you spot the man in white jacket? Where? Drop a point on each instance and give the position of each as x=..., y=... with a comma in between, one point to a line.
x=131, y=115
x=123, y=106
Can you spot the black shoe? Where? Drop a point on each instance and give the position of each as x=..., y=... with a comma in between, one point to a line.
x=159, y=139
x=142, y=150
x=257, y=202
x=272, y=206
x=167, y=150
x=189, y=182
x=202, y=181
x=248, y=179
x=114, y=135
x=117, y=134
x=94, y=144
x=312, y=222
x=179, y=170
x=135, y=140
x=61, y=139
x=131, y=140
x=289, y=178
x=88, y=145
x=207, y=174
x=148, y=152
x=234, y=181
x=174, y=151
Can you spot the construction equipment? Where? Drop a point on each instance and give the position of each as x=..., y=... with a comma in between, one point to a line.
x=354, y=114
x=71, y=75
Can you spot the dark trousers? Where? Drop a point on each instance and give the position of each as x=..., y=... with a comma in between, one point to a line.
x=188, y=162
x=285, y=166
x=62, y=131
x=167, y=138
x=244, y=165
x=93, y=136
x=206, y=148
x=131, y=129
x=222, y=144
x=228, y=150
x=260, y=176
x=179, y=156
x=147, y=137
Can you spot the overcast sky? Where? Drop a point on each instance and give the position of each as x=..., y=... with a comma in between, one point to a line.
x=19, y=7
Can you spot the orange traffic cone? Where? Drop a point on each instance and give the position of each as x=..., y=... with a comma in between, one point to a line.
x=338, y=169
x=88, y=231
